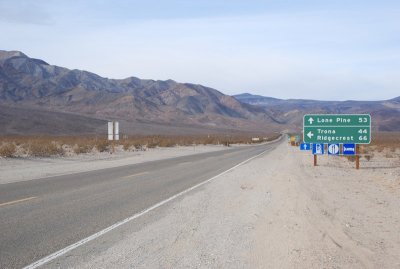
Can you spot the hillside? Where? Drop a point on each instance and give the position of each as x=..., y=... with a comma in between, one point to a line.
x=39, y=98
x=33, y=84
x=385, y=114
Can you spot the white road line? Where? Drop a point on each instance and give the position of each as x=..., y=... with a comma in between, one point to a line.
x=18, y=201
x=116, y=225
x=183, y=163
x=134, y=175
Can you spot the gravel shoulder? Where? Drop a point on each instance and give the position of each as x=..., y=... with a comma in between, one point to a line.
x=276, y=211
x=22, y=169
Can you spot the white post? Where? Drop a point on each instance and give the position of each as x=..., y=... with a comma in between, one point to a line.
x=116, y=130
x=110, y=130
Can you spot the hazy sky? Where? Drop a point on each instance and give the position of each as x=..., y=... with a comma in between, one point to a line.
x=321, y=49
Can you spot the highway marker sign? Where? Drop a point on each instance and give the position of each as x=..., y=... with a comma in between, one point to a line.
x=305, y=146
x=337, y=128
x=113, y=130
x=349, y=149
x=318, y=149
x=333, y=149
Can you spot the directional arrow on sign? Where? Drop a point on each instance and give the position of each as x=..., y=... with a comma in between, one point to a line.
x=310, y=134
x=310, y=120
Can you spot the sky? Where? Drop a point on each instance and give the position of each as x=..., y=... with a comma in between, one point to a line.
x=310, y=49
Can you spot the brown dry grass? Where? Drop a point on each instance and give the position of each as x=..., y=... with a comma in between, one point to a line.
x=46, y=146
x=7, y=150
x=383, y=141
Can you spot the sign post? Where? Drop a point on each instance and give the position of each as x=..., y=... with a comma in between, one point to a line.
x=357, y=157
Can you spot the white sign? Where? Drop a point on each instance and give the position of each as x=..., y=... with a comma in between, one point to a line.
x=110, y=130
x=116, y=130
x=333, y=149
x=113, y=130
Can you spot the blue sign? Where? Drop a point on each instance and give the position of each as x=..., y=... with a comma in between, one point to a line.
x=305, y=146
x=349, y=149
x=333, y=149
x=318, y=149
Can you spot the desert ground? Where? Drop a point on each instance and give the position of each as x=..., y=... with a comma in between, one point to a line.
x=275, y=211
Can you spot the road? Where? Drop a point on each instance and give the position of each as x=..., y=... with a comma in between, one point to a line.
x=42, y=216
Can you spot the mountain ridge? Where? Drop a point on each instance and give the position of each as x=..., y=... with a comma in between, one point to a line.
x=30, y=85
x=385, y=113
x=35, y=84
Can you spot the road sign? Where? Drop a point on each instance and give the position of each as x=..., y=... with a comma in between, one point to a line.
x=113, y=130
x=333, y=149
x=110, y=130
x=318, y=149
x=349, y=149
x=116, y=130
x=337, y=128
x=305, y=146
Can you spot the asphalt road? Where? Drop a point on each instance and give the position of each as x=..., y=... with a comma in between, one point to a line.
x=41, y=216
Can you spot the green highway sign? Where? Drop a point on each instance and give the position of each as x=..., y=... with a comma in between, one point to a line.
x=337, y=128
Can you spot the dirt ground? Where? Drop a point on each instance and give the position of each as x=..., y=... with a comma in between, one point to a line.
x=277, y=211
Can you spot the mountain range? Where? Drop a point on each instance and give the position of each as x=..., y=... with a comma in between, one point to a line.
x=385, y=114
x=39, y=98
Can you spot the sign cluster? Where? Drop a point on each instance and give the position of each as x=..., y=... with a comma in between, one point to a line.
x=340, y=132
x=332, y=149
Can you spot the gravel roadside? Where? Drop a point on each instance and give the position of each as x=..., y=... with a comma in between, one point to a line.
x=276, y=211
x=21, y=169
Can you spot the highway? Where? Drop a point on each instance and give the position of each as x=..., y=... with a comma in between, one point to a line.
x=41, y=216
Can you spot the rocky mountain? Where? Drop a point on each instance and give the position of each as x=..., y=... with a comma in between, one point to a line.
x=32, y=84
x=39, y=98
x=385, y=114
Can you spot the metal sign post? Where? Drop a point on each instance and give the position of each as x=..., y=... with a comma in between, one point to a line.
x=357, y=157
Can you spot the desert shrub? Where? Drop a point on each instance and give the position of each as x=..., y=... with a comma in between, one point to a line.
x=225, y=143
x=82, y=148
x=102, y=145
x=166, y=143
x=208, y=141
x=126, y=146
x=152, y=145
x=138, y=146
x=42, y=148
x=54, y=145
x=368, y=157
x=7, y=150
